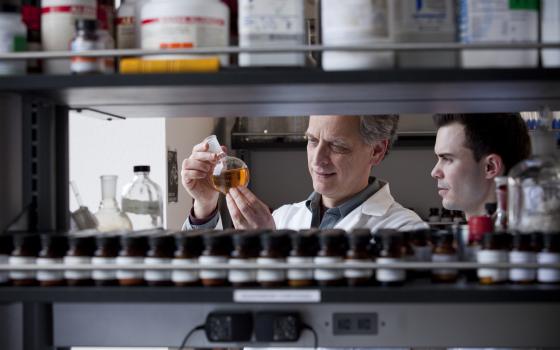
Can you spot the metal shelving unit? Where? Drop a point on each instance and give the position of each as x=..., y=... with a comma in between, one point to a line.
x=414, y=315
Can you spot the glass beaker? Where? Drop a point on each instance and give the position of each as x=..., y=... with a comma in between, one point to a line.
x=109, y=216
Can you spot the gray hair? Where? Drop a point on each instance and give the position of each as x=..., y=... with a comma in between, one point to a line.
x=379, y=127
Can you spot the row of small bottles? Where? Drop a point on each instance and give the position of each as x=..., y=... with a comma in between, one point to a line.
x=268, y=248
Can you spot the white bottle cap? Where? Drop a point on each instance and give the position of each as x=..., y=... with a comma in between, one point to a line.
x=213, y=144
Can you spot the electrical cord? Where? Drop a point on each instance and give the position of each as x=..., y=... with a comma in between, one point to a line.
x=315, y=337
x=189, y=334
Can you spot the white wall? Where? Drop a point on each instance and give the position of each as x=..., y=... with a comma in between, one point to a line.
x=181, y=135
x=99, y=147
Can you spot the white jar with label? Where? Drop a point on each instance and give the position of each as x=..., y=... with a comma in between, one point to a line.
x=425, y=22
x=271, y=23
x=12, y=39
x=58, y=18
x=550, y=32
x=180, y=24
x=357, y=22
x=126, y=21
x=498, y=21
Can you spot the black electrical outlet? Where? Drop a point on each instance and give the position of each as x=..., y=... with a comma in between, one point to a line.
x=355, y=323
x=229, y=326
x=273, y=326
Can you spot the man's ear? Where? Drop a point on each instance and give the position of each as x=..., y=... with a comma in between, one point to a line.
x=378, y=152
x=493, y=166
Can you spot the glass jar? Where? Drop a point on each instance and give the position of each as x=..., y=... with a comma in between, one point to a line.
x=305, y=245
x=422, y=248
x=80, y=252
x=247, y=246
x=390, y=252
x=25, y=253
x=162, y=251
x=189, y=248
x=6, y=248
x=522, y=252
x=434, y=215
x=273, y=245
x=333, y=247
x=133, y=251
x=494, y=250
x=359, y=252
x=142, y=200
x=217, y=249
x=444, y=252
x=53, y=250
x=549, y=254
x=108, y=247
x=478, y=227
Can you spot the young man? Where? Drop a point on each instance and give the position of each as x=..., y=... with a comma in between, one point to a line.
x=472, y=149
x=341, y=151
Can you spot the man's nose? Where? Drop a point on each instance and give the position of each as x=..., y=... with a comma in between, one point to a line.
x=322, y=153
x=436, y=172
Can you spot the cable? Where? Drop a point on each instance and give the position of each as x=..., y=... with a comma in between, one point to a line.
x=197, y=328
x=312, y=330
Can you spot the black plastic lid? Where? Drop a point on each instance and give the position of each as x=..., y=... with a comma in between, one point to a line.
x=141, y=168
x=388, y=237
x=522, y=240
x=107, y=240
x=6, y=244
x=278, y=240
x=59, y=241
x=498, y=240
x=190, y=242
x=218, y=240
x=420, y=235
x=491, y=208
x=434, y=211
x=359, y=239
x=334, y=238
x=89, y=25
x=9, y=8
x=246, y=238
x=84, y=243
x=307, y=240
x=31, y=240
x=444, y=236
x=163, y=241
x=551, y=240
x=133, y=241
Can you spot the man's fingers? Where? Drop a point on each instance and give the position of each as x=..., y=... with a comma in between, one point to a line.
x=236, y=215
x=194, y=174
x=242, y=203
x=253, y=201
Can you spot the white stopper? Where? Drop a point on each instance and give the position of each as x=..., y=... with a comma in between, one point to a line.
x=213, y=144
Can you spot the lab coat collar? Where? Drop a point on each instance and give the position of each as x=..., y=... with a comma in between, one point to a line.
x=380, y=202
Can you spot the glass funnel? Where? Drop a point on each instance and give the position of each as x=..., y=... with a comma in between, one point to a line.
x=109, y=216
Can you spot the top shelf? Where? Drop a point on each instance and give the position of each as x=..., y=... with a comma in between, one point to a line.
x=285, y=92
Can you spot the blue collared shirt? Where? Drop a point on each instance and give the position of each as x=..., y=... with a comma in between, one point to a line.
x=332, y=216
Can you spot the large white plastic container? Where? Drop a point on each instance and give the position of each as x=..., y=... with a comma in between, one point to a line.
x=550, y=31
x=356, y=22
x=126, y=29
x=168, y=24
x=12, y=39
x=271, y=23
x=499, y=21
x=58, y=18
x=421, y=21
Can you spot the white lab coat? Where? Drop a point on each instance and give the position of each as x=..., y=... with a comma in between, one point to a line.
x=378, y=211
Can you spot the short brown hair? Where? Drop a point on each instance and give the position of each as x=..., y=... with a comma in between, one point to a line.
x=504, y=134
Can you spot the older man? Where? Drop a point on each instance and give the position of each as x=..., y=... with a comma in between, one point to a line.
x=341, y=152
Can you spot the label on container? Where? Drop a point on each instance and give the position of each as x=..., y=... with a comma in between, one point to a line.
x=546, y=275
x=271, y=17
x=126, y=34
x=140, y=207
x=425, y=16
x=22, y=261
x=492, y=256
x=517, y=257
x=300, y=274
x=184, y=276
x=104, y=275
x=241, y=276
x=444, y=258
x=422, y=253
x=328, y=274
x=276, y=296
x=4, y=276
x=49, y=275
x=157, y=275
x=540, y=205
x=77, y=274
x=270, y=275
x=389, y=275
x=84, y=64
x=498, y=21
x=130, y=274
x=58, y=22
x=357, y=273
x=366, y=19
x=172, y=32
x=213, y=274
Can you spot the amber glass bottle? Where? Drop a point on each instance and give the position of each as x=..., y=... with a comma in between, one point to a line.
x=333, y=248
x=6, y=248
x=273, y=251
x=390, y=251
x=53, y=250
x=305, y=245
x=26, y=250
x=522, y=252
x=494, y=250
x=107, y=250
x=217, y=249
x=359, y=251
x=80, y=252
x=161, y=252
x=549, y=254
x=189, y=247
x=247, y=247
x=133, y=251
x=444, y=251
